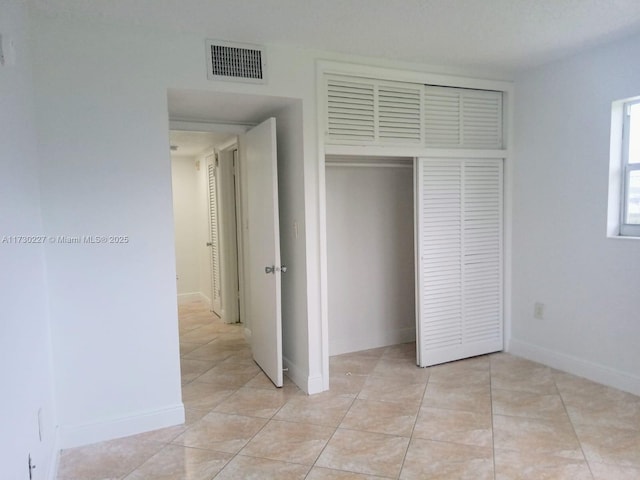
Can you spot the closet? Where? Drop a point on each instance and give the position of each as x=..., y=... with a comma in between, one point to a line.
x=437, y=173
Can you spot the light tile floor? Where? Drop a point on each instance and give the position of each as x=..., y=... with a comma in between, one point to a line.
x=490, y=417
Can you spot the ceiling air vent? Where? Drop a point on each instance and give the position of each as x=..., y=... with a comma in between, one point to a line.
x=237, y=62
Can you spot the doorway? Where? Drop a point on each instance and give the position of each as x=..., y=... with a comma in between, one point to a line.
x=191, y=157
x=234, y=114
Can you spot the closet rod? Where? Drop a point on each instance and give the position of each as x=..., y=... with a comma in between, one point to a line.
x=369, y=165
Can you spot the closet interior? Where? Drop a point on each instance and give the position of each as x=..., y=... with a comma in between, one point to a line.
x=370, y=252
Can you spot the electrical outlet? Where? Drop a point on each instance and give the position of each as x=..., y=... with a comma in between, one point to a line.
x=538, y=310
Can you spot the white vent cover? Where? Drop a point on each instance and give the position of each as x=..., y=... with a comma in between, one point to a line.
x=239, y=62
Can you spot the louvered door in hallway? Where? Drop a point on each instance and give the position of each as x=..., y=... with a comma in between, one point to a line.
x=214, y=236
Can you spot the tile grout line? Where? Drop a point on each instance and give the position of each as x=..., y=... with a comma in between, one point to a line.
x=415, y=422
x=493, y=436
x=226, y=398
x=573, y=428
x=248, y=441
x=163, y=446
x=353, y=401
x=273, y=419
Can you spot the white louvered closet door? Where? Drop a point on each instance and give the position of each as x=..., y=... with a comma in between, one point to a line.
x=214, y=238
x=459, y=258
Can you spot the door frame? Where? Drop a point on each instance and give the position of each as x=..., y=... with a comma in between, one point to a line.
x=236, y=112
x=231, y=250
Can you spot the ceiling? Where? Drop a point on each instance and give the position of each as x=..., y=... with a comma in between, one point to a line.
x=228, y=108
x=191, y=144
x=505, y=35
x=218, y=116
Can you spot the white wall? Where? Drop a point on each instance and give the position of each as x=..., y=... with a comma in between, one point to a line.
x=370, y=257
x=561, y=256
x=25, y=340
x=184, y=183
x=103, y=129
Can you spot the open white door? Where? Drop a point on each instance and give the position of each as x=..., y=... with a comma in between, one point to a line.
x=262, y=255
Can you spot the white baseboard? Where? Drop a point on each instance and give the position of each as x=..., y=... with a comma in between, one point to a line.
x=295, y=374
x=78, y=435
x=188, y=297
x=309, y=384
x=205, y=299
x=193, y=297
x=247, y=335
x=315, y=384
x=344, y=344
x=576, y=366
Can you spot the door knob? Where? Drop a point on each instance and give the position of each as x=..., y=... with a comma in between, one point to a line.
x=274, y=269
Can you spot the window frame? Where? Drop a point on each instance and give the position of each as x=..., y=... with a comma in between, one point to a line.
x=627, y=229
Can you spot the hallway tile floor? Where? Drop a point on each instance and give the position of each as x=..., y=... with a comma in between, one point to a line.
x=491, y=417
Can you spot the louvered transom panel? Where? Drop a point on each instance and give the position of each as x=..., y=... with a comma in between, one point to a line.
x=350, y=110
x=459, y=239
x=440, y=249
x=462, y=118
x=399, y=114
x=376, y=112
x=482, y=259
x=482, y=119
x=442, y=117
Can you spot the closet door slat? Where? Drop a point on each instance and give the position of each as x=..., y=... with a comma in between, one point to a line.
x=440, y=251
